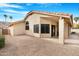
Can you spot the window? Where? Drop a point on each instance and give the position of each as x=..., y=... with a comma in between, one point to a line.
x=45, y=28
x=27, y=25
x=36, y=28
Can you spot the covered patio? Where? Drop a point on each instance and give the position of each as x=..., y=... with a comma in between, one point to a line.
x=59, y=28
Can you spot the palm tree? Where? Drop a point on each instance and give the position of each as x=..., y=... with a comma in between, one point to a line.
x=11, y=17
x=5, y=16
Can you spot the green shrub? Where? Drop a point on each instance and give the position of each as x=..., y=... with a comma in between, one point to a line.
x=2, y=41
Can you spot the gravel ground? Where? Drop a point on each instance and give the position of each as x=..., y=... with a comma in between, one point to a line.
x=31, y=46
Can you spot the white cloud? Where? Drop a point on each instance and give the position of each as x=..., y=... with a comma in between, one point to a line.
x=9, y=5
x=17, y=12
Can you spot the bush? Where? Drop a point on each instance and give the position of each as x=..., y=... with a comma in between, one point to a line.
x=2, y=41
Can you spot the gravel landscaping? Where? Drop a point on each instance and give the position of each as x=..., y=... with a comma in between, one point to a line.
x=32, y=46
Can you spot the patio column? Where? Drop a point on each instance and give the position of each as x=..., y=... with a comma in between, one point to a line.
x=40, y=30
x=55, y=30
x=61, y=30
x=50, y=30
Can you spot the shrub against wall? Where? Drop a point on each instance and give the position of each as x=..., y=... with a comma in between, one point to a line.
x=76, y=26
x=2, y=41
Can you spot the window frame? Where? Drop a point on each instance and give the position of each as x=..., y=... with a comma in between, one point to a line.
x=36, y=28
x=45, y=28
x=27, y=25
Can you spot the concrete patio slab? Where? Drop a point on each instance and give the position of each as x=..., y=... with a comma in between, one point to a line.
x=32, y=46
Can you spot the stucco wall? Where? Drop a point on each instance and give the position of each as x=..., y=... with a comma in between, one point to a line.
x=19, y=29
x=69, y=31
x=33, y=19
x=66, y=30
x=0, y=31
x=11, y=30
x=75, y=30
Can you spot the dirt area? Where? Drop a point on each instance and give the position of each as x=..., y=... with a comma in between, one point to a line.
x=32, y=46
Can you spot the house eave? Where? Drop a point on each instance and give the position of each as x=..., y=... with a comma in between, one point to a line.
x=50, y=14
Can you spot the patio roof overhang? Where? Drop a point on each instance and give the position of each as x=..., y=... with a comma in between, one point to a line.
x=56, y=19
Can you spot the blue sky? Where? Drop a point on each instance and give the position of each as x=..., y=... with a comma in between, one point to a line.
x=19, y=10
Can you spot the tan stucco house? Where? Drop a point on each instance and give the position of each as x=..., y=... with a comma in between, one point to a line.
x=44, y=25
